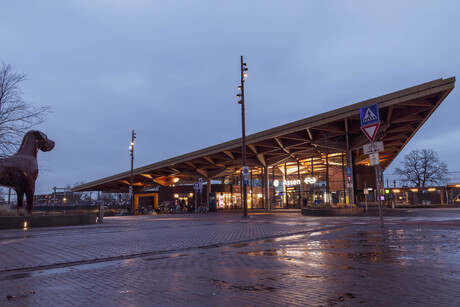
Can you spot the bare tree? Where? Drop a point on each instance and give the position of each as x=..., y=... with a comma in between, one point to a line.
x=16, y=115
x=422, y=168
x=80, y=195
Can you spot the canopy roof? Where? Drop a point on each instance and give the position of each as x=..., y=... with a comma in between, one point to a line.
x=402, y=113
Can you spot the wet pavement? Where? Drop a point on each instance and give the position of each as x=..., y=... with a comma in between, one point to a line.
x=222, y=259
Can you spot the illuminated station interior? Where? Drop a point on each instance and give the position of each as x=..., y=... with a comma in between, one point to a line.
x=291, y=166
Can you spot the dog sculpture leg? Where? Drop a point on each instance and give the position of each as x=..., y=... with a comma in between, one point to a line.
x=30, y=199
x=20, y=196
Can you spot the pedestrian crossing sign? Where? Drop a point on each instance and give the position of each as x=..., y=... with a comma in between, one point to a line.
x=369, y=115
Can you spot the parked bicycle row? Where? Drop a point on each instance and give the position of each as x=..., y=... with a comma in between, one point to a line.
x=163, y=208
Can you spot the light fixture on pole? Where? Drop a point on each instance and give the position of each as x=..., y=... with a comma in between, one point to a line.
x=244, y=168
x=131, y=153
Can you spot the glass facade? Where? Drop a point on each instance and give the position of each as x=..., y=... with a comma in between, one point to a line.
x=292, y=185
x=314, y=181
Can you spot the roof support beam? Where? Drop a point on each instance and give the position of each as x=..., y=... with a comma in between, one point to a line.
x=175, y=170
x=310, y=135
x=191, y=174
x=279, y=160
x=190, y=164
x=338, y=145
x=202, y=172
x=390, y=112
x=253, y=148
x=210, y=160
x=261, y=158
x=284, y=148
x=147, y=176
x=229, y=154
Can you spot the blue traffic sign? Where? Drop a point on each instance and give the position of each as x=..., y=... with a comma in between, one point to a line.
x=196, y=186
x=348, y=171
x=369, y=115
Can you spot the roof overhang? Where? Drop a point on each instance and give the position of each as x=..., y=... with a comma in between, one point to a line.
x=402, y=113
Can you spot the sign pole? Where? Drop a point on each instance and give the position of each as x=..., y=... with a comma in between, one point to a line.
x=351, y=208
x=366, y=192
x=370, y=124
x=377, y=176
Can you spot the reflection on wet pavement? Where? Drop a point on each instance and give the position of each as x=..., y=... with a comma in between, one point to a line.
x=363, y=247
x=388, y=258
x=330, y=265
x=241, y=287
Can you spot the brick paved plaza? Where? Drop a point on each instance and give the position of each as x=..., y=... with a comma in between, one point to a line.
x=222, y=259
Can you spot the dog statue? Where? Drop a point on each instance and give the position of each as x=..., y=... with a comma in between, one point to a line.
x=20, y=170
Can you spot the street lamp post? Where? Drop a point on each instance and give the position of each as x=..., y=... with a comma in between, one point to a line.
x=240, y=95
x=131, y=153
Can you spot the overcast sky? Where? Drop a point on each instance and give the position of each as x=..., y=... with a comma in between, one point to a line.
x=169, y=70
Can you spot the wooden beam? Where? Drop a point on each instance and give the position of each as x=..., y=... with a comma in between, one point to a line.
x=253, y=148
x=310, y=135
x=147, y=176
x=284, y=148
x=403, y=128
x=229, y=154
x=190, y=164
x=261, y=158
x=210, y=160
x=279, y=160
x=202, y=172
x=409, y=118
x=338, y=145
x=175, y=170
x=390, y=112
x=299, y=136
x=329, y=128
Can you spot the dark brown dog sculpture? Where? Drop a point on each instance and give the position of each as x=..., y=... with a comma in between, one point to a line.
x=21, y=169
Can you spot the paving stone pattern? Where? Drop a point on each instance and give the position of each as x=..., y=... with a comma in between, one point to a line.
x=224, y=260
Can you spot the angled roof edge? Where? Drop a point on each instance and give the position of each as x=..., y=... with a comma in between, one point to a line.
x=413, y=92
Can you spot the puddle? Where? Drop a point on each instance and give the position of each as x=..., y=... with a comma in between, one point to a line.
x=210, y=246
x=240, y=287
x=6, y=241
x=318, y=233
x=268, y=252
x=312, y=276
x=286, y=254
x=165, y=257
x=74, y=268
x=17, y=276
x=246, y=244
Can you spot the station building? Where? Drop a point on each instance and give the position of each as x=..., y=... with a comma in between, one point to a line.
x=292, y=165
